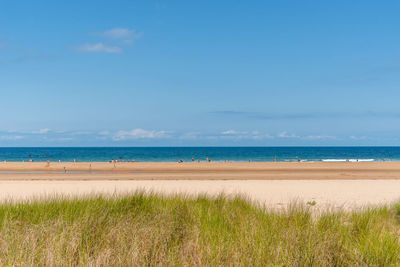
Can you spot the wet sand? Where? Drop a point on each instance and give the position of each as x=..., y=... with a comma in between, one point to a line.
x=199, y=171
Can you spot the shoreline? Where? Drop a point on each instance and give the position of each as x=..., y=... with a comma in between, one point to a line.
x=350, y=160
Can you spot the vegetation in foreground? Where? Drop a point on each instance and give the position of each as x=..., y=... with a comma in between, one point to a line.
x=148, y=229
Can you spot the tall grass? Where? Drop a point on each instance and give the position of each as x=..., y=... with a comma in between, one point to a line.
x=153, y=230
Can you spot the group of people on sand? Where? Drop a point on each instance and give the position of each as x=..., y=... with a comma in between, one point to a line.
x=193, y=160
x=118, y=161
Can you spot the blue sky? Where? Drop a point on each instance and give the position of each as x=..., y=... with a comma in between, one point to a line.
x=196, y=73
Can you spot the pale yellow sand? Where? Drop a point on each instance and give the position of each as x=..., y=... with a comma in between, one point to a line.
x=275, y=193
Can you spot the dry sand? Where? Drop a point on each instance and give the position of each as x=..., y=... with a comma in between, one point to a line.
x=346, y=185
x=274, y=193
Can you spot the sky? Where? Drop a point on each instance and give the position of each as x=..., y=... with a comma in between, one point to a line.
x=199, y=73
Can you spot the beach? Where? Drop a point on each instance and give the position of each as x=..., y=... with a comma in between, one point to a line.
x=338, y=185
x=344, y=194
x=199, y=171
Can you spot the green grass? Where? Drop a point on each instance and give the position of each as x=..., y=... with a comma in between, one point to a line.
x=152, y=230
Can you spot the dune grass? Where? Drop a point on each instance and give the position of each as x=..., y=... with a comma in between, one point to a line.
x=153, y=230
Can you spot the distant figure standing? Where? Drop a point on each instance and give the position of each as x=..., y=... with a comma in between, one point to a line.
x=65, y=170
x=192, y=159
x=48, y=162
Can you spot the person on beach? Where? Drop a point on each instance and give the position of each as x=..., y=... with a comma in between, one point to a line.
x=192, y=159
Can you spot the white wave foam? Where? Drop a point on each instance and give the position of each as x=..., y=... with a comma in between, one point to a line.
x=350, y=160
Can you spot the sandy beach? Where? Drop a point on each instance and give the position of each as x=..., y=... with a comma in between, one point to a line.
x=346, y=194
x=338, y=185
x=199, y=171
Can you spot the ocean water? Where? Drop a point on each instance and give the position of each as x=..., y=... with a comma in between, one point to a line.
x=174, y=154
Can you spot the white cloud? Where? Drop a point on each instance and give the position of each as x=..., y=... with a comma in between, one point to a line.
x=284, y=134
x=256, y=135
x=11, y=137
x=139, y=134
x=358, y=137
x=122, y=33
x=190, y=136
x=321, y=137
x=232, y=132
x=42, y=131
x=100, y=48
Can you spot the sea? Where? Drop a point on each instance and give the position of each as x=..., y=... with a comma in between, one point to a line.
x=186, y=154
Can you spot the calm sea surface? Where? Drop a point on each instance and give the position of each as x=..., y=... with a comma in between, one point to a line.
x=174, y=154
